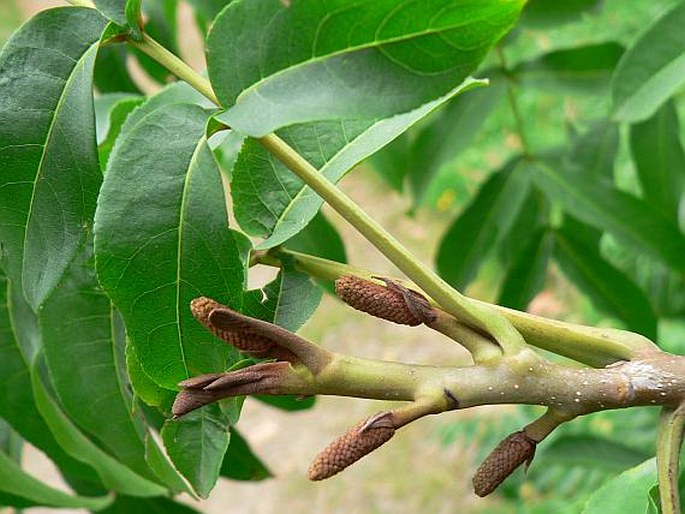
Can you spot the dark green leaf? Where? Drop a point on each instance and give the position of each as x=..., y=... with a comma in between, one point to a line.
x=592, y=452
x=526, y=276
x=226, y=146
x=652, y=69
x=26, y=491
x=179, y=92
x=176, y=248
x=630, y=219
x=478, y=228
x=48, y=127
x=113, y=10
x=114, y=475
x=11, y=443
x=608, y=288
x=103, y=112
x=17, y=405
x=196, y=444
x=393, y=57
x=451, y=132
x=77, y=324
x=593, y=153
x=240, y=463
x=270, y=201
x=320, y=239
x=626, y=494
x=585, y=69
x=532, y=216
x=111, y=73
x=132, y=505
x=143, y=386
x=660, y=160
x=288, y=402
x=546, y=13
x=290, y=299
x=117, y=118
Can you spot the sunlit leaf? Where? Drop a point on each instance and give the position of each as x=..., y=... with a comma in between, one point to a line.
x=609, y=288
x=660, y=160
x=652, y=69
x=275, y=64
x=270, y=201
x=177, y=247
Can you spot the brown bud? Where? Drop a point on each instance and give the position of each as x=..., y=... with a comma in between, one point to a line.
x=392, y=302
x=240, y=338
x=509, y=455
x=352, y=446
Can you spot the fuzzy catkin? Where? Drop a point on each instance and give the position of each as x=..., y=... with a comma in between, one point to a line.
x=348, y=449
x=375, y=299
x=513, y=451
x=242, y=340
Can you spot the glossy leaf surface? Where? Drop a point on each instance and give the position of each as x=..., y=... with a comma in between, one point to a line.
x=176, y=248
x=48, y=127
x=311, y=60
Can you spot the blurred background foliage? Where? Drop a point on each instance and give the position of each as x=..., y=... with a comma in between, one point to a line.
x=549, y=98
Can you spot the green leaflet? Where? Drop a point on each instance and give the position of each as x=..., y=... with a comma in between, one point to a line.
x=114, y=475
x=240, y=463
x=113, y=10
x=625, y=494
x=77, y=324
x=593, y=153
x=526, y=276
x=321, y=239
x=17, y=405
x=288, y=301
x=27, y=491
x=480, y=225
x=585, y=69
x=270, y=201
x=177, y=246
x=293, y=63
x=592, y=451
x=543, y=13
x=115, y=118
x=131, y=505
x=111, y=74
x=48, y=127
x=660, y=160
x=608, y=287
x=630, y=219
x=652, y=69
x=196, y=444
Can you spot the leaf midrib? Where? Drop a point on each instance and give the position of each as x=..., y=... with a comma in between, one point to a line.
x=41, y=163
x=352, y=49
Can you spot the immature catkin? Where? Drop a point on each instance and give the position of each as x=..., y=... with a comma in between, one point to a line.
x=509, y=455
x=396, y=304
x=241, y=339
x=348, y=449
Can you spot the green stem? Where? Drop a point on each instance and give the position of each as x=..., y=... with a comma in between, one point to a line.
x=479, y=317
x=176, y=66
x=513, y=103
x=668, y=443
x=590, y=345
